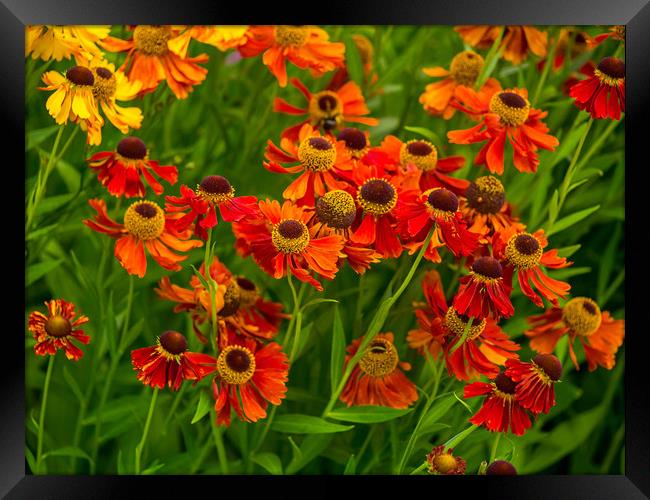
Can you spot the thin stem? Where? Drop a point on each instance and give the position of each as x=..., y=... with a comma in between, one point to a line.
x=221, y=451
x=490, y=60
x=547, y=68
x=41, y=420
x=419, y=469
x=145, y=433
x=172, y=411
x=460, y=437
x=495, y=447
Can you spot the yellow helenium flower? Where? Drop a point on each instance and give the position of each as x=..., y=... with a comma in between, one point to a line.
x=63, y=42
x=221, y=37
x=73, y=97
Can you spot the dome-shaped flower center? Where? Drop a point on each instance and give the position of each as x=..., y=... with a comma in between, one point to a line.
x=582, y=316
x=377, y=196
x=291, y=36
x=290, y=236
x=444, y=463
x=152, y=40
x=215, y=189
x=486, y=195
x=173, y=342
x=336, y=209
x=105, y=83
x=248, y=292
x=487, y=268
x=326, y=109
x=442, y=202
x=380, y=358
x=523, y=251
x=512, y=108
x=611, y=71
x=236, y=364
x=504, y=383
x=231, y=300
x=80, y=75
x=501, y=468
x=422, y=154
x=145, y=220
x=132, y=148
x=58, y=326
x=355, y=141
x=550, y=366
x=316, y=154
x=465, y=68
x=456, y=324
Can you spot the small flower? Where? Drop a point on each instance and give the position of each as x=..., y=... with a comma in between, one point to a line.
x=499, y=411
x=120, y=170
x=169, y=362
x=580, y=318
x=535, y=381
x=501, y=468
x=515, y=45
x=305, y=46
x=62, y=42
x=378, y=378
x=214, y=192
x=602, y=95
x=73, y=98
x=442, y=462
x=145, y=226
x=57, y=329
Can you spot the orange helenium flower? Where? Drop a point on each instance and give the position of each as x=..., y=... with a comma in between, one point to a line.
x=221, y=37
x=517, y=41
x=145, y=226
x=378, y=379
x=57, y=329
x=536, y=381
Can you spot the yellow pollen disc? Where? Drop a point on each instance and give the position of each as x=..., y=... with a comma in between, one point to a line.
x=290, y=36
x=325, y=105
x=152, y=40
x=145, y=220
x=582, y=316
x=248, y=293
x=316, y=154
x=290, y=236
x=465, y=68
x=444, y=463
x=608, y=80
x=105, y=84
x=168, y=355
x=620, y=31
x=507, y=398
x=422, y=154
x=380, y=358
x=523, y=251
x=546, y=380
x=457, y=326
x=212, y=198
x=236, y=365
x=336, y=208
x=377, y=203
x=512, y=108
x=231, y=300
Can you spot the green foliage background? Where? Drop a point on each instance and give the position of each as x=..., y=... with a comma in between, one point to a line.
x=222, y=128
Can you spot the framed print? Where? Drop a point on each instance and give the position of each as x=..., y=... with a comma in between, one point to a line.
x=388, y=247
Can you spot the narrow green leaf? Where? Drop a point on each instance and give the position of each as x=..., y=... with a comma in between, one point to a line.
x=269, y=461
x=306, y=424
x=72, y=382
x=152, y=469
x=202, y=408
x=367, y=414
x=316, y=302
x=353, y=60
x=31, y=460
x=312, y=446
x=607, y=260
x=110, y=323
x=53, y=203
x=427, y=134
x=131, y=335
x=553, y=206
x=439, y=409
x=37, y=271
x=570, y=220
x=68, y=451
x=350, y=467
x=568, y=251
x=34, y=137
x=121, y=468
x=200, y=277
x=338, y=350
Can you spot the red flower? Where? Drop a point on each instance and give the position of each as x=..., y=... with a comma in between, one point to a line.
x=499, y=411
x=145, y=226
x=535, y=381
x=169, y=362
x=505, y=114
x=418, y=212
x=378, y=379
x=214, y=192
x=614, y=32
x=441, y=462
x=603, y=93
x=120, y=171
x=484, y=292
x=328, y=109
x=524, y=252
x=581, y=318
x=56, y=330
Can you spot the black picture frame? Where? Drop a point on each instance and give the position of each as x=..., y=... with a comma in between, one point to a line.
x=635, y=14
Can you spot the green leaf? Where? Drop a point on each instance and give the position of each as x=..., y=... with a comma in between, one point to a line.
x=269, y=461
x=34, y=137
x=439, y=409
x=350, y=467
x=200, y=277
x=53, y=203
x=316, y=302
x=353, y=60
x=131, y=335
x=311, y=447
x=367, y=414
x=568, y=251
x=121, y=468
x=568, y=272
x=202, y=408
x=338, y=350
x=72, y=382
x=553, y=206
x=607, y=260
x=568, y=144
x=427, y=134
x=152, y=469
x=306, y=424
x=31, y=460
x=110, y=323
x=570, y=220
x=68, y=451
x=37, y=271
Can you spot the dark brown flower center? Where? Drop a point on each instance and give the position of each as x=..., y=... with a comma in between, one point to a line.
x=512, y=100
x=80, y=75
x=327, y=102
x=488, y=266
x=486, y=195
x=419, y=148
x=290, y=229
x=238, y=361
x=173, y=342
x=550, y=364
x=320, y=143
x=58, y=326
x=612, y=67
x=504, y=383
x=501, y=468
x=590, y=308
x=443, y=199
x=215, y=184
x=354, y=138
x=526, y=244
x=132, y=147
x=145, y=210
x=246, y=284
x=377, y=191
x=104, y=73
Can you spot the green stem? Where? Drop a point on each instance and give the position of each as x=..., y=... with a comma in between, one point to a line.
x=172, y=411
x=490, y=60
x=460, y=437
x=145, y=433
x=41, y=420
x=419, y=469
x=547, y=68
x=495, y=446
x=221, y=450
